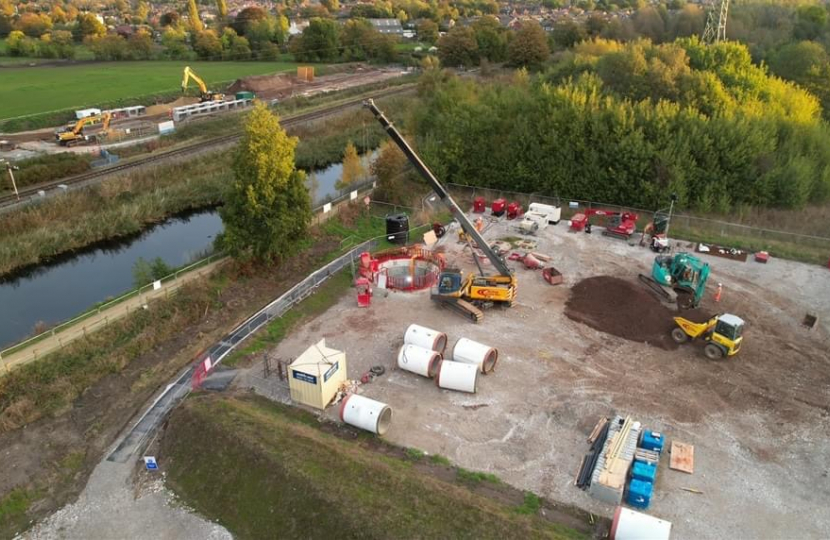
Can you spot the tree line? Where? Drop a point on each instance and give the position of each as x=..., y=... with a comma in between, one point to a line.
x=631, y=124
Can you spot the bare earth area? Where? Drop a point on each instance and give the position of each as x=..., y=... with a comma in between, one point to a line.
x=758, y=421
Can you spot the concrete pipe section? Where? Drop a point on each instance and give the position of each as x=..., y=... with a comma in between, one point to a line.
x=426, y=338
x=457, y=376
x=419, y=360
x=365, y=413
x=468, y=351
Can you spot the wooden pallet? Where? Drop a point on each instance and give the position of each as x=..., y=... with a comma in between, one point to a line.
x=682, y=457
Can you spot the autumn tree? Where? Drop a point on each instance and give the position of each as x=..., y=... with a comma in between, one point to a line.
x=142, y=10
x=529, y=47
x=267, y=208
x=171, y=18
x=196, y=25
x=427, y=31
x=458, y=47
x=208, y=45
x=34, y=24
x=222, y=8
x=333, y=6
x=353, y=170
x=387, y=168
x=88, y=26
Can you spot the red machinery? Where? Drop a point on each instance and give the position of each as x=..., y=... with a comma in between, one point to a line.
x=514, y=210
x=497, y=207
x=479, y=205
x=364, y=292
x=620, y=224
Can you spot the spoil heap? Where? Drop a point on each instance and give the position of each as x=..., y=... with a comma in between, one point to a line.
x=622, y=308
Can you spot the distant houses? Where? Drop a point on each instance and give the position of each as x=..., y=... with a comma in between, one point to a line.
x=388, y=26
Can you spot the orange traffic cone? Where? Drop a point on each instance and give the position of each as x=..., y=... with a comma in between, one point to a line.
x=719, y=292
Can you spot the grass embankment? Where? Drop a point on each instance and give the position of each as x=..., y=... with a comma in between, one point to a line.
x=115, y=208
x=46, y=168
x=257, y=467
x=33, y=90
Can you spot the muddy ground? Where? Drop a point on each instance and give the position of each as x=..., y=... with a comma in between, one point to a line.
x=758, y=421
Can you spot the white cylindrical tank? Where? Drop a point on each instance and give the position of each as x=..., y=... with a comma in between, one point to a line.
x=425, y=337
x=631, y=525
x=366, y=413
x=468, y=351
x=419, y=360
x=457, y=376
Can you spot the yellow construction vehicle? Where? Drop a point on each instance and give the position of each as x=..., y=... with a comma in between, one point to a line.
x=74, y=133
x=206, y=95
x=723, y=334
x=464, y=294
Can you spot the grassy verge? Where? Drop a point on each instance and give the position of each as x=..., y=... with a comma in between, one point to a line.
x=257, y=468
x=113, y=209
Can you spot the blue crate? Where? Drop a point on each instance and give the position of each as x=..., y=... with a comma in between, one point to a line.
x=639, y=494
x=652, y=440
x=646, y=472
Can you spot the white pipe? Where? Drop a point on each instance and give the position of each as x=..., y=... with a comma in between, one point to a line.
x=468, y=351
x=425, y=337
x=418, y=360
x=631, y=525
x=457, y=376
x=366, y=413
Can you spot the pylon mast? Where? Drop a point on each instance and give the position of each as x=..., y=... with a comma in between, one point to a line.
x=715, y=30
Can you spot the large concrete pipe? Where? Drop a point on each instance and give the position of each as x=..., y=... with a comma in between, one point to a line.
x=366, y=413
x=468, y=351
x=457, y=376
x=425, y=337
x=631, y=525
x=419, y=360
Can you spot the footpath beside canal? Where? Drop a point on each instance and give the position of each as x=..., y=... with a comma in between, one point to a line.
x=100, y=319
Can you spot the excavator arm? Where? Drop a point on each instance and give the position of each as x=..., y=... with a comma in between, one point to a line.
x=190, y=74
x=498, y=263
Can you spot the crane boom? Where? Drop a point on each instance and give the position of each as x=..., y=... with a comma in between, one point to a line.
x=497, y=262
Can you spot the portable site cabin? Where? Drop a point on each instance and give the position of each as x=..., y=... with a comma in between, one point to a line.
x=316, y=375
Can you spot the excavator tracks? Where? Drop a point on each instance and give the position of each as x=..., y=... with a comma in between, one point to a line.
x=658, y=290
x=462, y=307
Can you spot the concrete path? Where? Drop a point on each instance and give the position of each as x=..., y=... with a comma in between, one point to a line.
x=99, y=320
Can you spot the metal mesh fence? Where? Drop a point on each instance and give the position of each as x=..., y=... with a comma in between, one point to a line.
x=805, y=247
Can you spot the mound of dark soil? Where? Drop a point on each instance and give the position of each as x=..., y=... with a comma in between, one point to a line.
x=622, y=308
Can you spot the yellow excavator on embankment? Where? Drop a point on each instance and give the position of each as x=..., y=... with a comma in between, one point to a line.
x=206, y=95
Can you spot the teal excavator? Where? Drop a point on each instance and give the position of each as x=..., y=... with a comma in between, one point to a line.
x=679, y=279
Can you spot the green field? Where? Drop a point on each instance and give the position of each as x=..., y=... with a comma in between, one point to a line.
x=35, y=90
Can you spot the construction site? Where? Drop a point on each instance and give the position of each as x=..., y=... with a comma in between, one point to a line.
x=95, y=128
x=666, y=388
x=574, y=355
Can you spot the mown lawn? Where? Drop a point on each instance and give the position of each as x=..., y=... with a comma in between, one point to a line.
x=31, y=90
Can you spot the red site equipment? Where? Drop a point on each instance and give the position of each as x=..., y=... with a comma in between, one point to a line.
x=479, y=205
x=497, y=208
x=364, y=292
x=514, y=210
x=620, y=224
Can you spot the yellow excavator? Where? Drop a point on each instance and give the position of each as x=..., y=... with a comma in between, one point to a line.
x=723, y=334
x=464, y=294
x=206, y=95
x=74, y=134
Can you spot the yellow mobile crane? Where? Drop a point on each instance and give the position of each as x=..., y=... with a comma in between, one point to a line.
x=206, y=95
x=463, y=294
x=74, y=134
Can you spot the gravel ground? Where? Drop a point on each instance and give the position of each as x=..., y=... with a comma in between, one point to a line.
x=113, y=507
x=758, y=421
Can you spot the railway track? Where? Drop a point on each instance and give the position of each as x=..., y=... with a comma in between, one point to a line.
x=40, y=192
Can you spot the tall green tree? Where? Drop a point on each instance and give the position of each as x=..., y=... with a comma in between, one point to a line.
x=319, y=42
x=459, y=47
x=267, y=208
x=427, y=31
x=529, y=47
